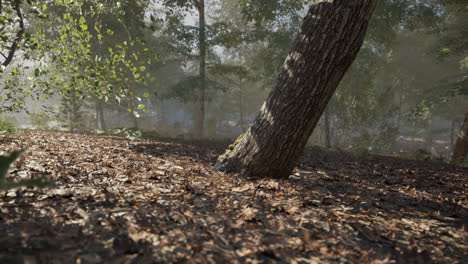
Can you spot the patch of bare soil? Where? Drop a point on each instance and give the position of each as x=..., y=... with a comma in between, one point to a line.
x=141, y=201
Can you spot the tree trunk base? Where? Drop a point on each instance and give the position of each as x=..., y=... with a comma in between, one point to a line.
x=226, y=164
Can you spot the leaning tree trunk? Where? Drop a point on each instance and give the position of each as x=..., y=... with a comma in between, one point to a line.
x=330, y=38
x=460, y=151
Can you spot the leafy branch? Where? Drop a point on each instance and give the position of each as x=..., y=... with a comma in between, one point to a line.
x=19, y=34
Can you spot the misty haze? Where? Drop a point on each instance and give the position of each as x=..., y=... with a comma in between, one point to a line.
x=240, y=131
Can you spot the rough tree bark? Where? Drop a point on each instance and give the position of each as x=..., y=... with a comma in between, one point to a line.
x=330, y=38
x=460, y=151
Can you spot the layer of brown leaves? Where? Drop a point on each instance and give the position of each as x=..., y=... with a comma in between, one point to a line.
x=122, y=201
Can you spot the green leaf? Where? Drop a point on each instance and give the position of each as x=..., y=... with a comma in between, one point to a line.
x=146, y=95
x=84, y=27
x=5, y=163
x=82, y=20
x=143, y=68
x=141, y=106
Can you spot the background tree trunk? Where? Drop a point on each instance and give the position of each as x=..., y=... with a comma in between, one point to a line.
x=452, y=132
x=101, y=122
x=460, y=151
x=135, y=122
x=429, y=138
x=200, y=116
x=330, y=38
x=326, y=121
x=241, y=107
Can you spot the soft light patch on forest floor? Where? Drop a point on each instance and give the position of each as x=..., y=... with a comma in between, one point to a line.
x=141, y=201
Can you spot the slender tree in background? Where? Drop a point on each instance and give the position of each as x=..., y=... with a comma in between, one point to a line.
x=184, y=37
x=460, y=150
x=200, y=116
x=71, y=112
x=100, y=117
x=326, y=121
x=330, y=38
x=452, y=46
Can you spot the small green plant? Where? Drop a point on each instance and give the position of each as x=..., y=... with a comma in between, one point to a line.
x=130, y=133
x=99, y=132
x=421, y=154
x=233, y=145
x=6, y=128
x=462, y=162
x=70, y=112
x=151, y=135
x=360, y=152
x=39, y=121
x=230, y=148
x=5, y=163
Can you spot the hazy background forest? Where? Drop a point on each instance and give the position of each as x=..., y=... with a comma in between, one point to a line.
x=134, y=131
x=134, y=68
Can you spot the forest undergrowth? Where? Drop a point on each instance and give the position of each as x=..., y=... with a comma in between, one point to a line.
x=159, y=201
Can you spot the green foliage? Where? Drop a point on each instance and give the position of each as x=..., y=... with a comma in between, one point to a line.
x=236, y=142
x=185, y=89
x=70, y=112
x=273, y=11
x=451, y=46
x=94, y=59
x=421, y=154
x=360, y=152
x=94, y=47
x=40, y=120
x=131, y=133
x=151, y=134
x=381, y=139
x=462, y=162
x=5, y=163
x=6, y=127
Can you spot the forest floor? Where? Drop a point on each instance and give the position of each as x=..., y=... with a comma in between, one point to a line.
x=160, y=201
